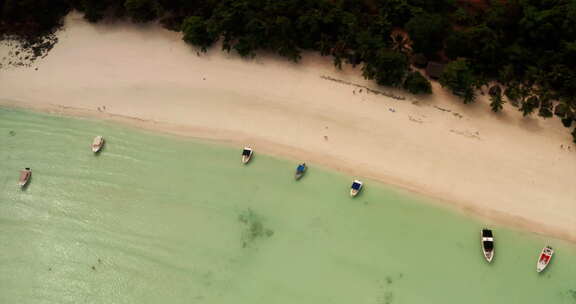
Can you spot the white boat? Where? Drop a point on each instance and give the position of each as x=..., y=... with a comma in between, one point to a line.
x=25, y=176
x=97, y=144
x=300, y=170
x=246, y=155
x=544, y=259
x=487, y=244
x=356, y=187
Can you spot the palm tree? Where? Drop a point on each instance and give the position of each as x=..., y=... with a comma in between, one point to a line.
x=528, y=106
x=401, y=43
x=496, y=98
x=496, y=103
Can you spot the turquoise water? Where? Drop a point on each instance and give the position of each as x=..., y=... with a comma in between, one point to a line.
x=161, y=219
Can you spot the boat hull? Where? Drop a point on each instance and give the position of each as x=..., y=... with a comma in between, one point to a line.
x=544, y=259
x=300, y=171
x=247, y=155
x=488, y=253
x=97, y=144
x=24, y=178
x=23, y=184
x=355, y=192
x=540, y=267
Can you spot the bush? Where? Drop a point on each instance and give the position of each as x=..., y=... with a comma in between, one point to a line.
x=94, y=10
x=458, y=77
x=386, y=67
x=196, y=32
x=32, y=18
x=143, y=10
x=415, y=83
x=496, y=100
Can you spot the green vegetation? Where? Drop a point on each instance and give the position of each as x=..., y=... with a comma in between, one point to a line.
x=427, y=31
x=386, y=67
x=526, y=47
x=460, y=79
x=195, y=31
x=31, y=18
x=415, y=83
x=496, y=101
x=143, y=10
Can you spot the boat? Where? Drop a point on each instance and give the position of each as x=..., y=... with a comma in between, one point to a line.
x=246, y=155
x=300, y=171
x=487, y=244
x=97, y=144
x=25, y=176
x=356, y=187
x=544, y=259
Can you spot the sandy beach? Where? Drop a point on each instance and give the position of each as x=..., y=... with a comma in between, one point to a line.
x=504, y=168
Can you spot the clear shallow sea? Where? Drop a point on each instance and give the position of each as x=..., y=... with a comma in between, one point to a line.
x=161, y=219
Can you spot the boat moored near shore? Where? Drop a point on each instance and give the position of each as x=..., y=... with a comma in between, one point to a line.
x=487, y=241
x=246, y=155
x=25, y=176
x=97, y=144
x=300, y=170
x=544, y=259
x=355, y=188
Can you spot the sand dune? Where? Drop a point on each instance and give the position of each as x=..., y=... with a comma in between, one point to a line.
x=504, y=168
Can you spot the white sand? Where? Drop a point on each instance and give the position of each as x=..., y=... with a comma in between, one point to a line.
x=503, y=167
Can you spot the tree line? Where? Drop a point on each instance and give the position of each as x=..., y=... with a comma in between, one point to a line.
x=518, y=51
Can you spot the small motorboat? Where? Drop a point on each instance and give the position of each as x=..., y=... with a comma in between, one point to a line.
x=300, y=171
x=544, y=259
x=487, y=244
x=246, y=155
x=97, y=144
x=356, y=187
x=24, y=177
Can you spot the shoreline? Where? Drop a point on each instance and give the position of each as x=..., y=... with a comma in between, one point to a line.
x=503, y=168
x=277, y=150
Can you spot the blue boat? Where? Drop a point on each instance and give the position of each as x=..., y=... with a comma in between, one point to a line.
x=300, y=170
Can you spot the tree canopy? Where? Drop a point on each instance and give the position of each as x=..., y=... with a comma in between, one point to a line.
x=196, y=32
x=386, y=67
x=496, y=101
x=459, y=78
x=415, y=83
x=427, y=31
x=143, y=10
